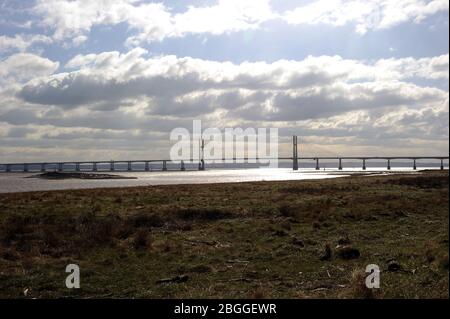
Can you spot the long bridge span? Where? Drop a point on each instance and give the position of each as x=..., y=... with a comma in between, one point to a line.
x=112, y=166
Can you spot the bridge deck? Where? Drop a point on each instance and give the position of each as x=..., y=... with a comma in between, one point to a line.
x=77, y=165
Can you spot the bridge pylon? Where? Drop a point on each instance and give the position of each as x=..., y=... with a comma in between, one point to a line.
x=295, y=153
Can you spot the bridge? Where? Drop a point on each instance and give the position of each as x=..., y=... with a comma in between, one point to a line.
x=112, y=166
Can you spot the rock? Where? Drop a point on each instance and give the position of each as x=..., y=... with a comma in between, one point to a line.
x=347, y=252
x=327, y=253
x=394, y=265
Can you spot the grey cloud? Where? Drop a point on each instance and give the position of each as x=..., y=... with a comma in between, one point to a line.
x=110, y=77
x=77, y=89
x=327, y=102
x=19, y=131
x=19, y=117
x=206, y=102
x=115, y=120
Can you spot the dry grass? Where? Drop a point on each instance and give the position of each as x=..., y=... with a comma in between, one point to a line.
x=257, y=240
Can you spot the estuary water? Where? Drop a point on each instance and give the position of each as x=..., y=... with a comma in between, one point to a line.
x=20, y=182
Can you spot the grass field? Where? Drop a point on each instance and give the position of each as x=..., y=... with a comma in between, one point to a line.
x=294, y=239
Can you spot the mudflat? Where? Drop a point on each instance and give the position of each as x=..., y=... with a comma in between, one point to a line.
x=79, y=175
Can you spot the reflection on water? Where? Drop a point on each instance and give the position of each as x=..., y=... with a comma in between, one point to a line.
x=17, y=182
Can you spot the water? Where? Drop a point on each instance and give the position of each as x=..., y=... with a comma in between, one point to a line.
x=18, y=182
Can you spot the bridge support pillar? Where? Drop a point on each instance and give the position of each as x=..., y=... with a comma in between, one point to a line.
x=147, y=167
x=414, y=165
x=340, y=164
x=364, y=164
x=183, y=168
x=94, y=167
x=317, y=164
x=129, y=166
x=164, y=168
x=60, y=167
x=442, y=164
x=25, y=168
x=389, y=164
x=77, y=167
x=202, y=164
x=111, y=166
x=294, y=153
x=202, y=154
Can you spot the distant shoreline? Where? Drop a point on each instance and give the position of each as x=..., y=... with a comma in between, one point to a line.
x=78, y=175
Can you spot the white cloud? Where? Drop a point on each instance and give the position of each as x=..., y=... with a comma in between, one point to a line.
x=365, y=14
x=22, y=67
x=151, y=21
x=429, y=68
x=79, y=40
x=155, y=21
x=21, y=42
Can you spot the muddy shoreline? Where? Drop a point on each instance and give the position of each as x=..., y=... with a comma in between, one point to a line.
x=77, y=175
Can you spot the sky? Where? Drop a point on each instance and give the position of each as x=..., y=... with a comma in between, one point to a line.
x=110, y=79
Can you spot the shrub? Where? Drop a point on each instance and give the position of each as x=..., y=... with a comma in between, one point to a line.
x=147, y=220
x=203, y=214
x=141, y=240
x=288, y=211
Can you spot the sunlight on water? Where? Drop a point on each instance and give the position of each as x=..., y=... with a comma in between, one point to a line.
x=17, y=182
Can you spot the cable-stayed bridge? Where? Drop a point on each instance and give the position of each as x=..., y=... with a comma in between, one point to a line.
x=201, y=163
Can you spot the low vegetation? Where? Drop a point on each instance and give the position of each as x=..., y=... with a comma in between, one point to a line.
x=293, y=239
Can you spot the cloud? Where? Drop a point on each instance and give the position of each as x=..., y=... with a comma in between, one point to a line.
x=340, y=99
x=167, y=85
x=21, y=42
x=111, y=97
x=156, y=21
x=430, y=68
x=224, y=17
x=351, y=103
x=365, y=14
x=79, y=40
x=25, y=66
x=151, y=21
